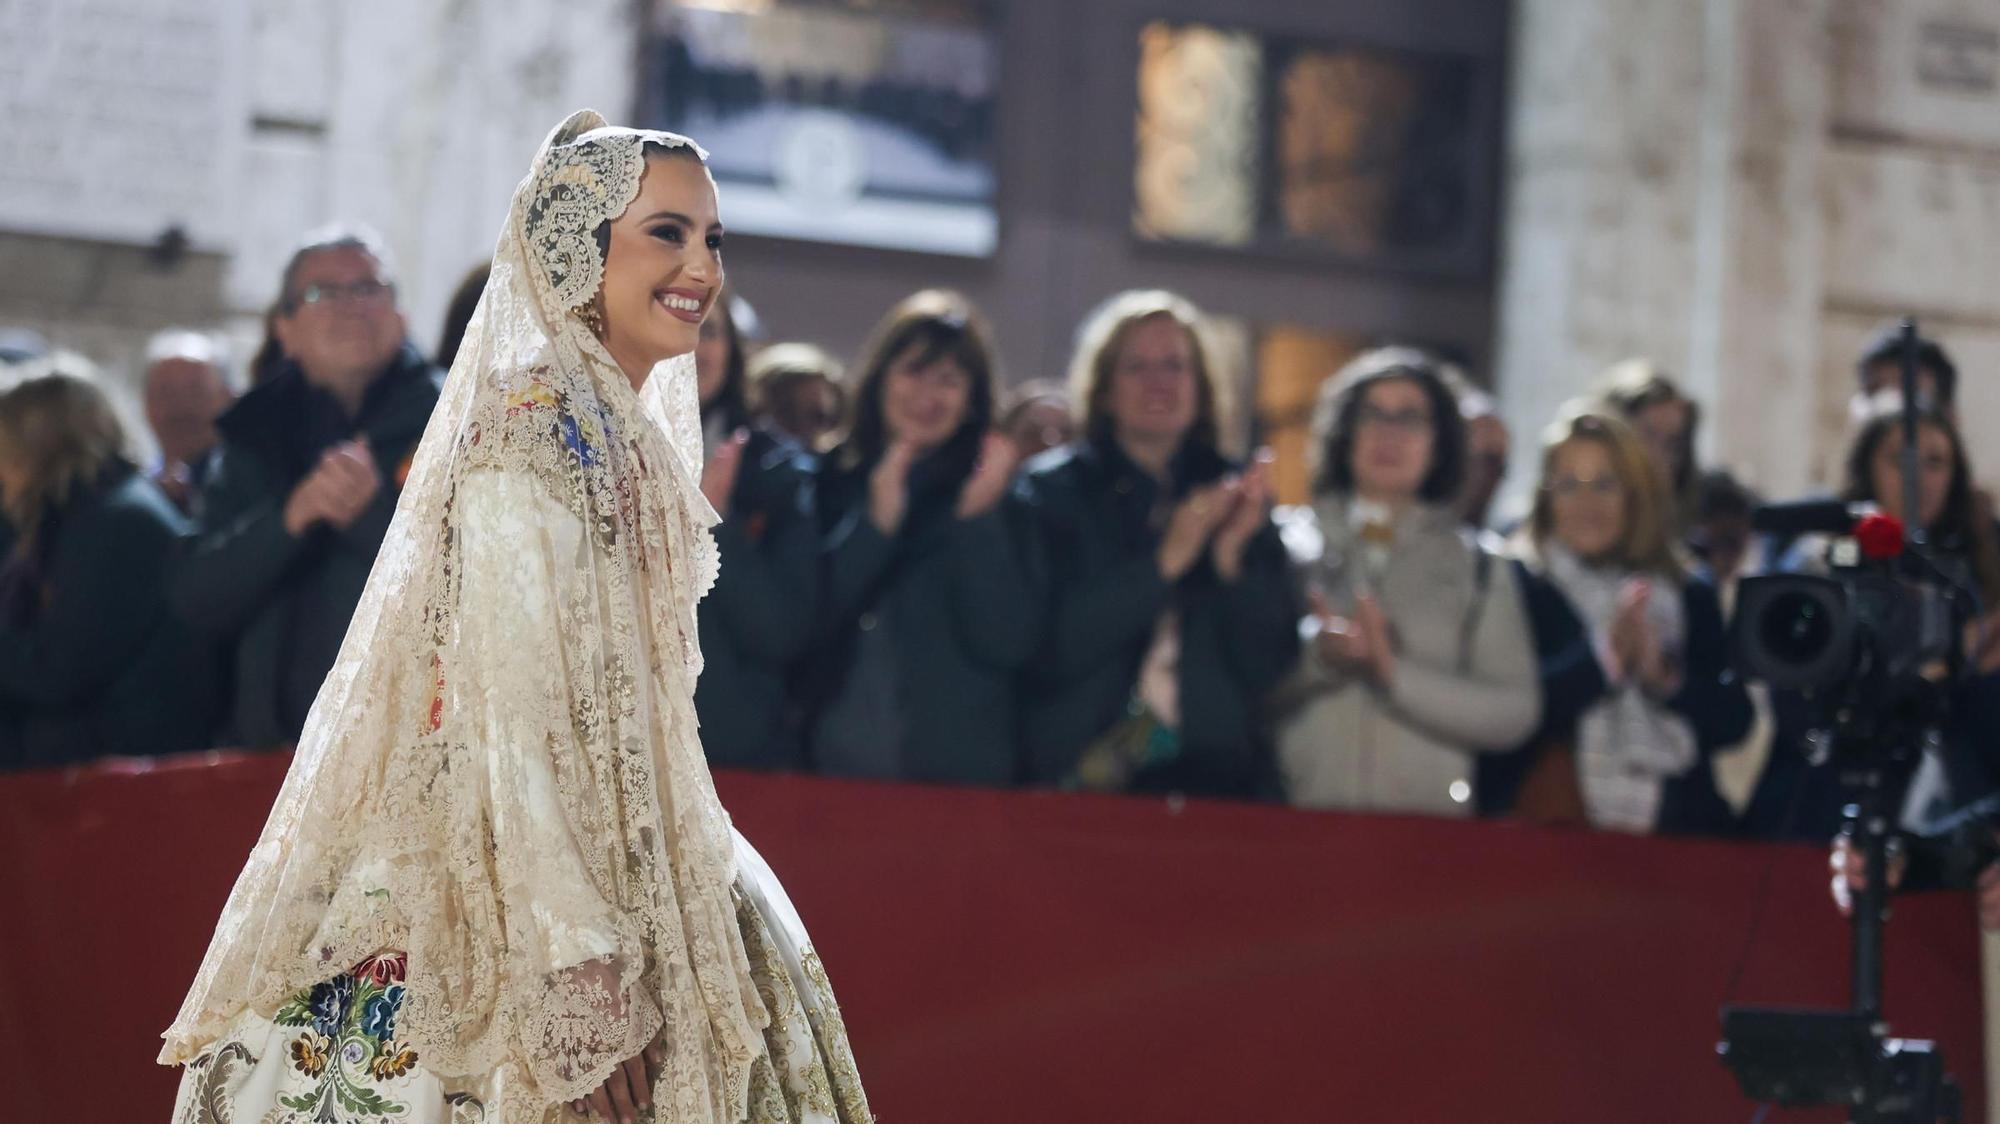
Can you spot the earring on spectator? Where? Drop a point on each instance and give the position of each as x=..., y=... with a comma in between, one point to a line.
x=592, y=317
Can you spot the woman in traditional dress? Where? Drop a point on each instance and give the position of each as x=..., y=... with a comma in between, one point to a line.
x=497, y=884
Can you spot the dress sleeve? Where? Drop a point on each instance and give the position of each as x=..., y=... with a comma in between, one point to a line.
x=515, y=537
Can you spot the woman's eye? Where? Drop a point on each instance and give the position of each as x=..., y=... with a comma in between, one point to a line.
x=670, y=234
x=715, y=242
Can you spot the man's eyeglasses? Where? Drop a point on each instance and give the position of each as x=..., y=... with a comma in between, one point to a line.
x=358, y=292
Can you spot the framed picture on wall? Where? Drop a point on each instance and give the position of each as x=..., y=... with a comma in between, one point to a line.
x=836, y=122
x=1290, y=147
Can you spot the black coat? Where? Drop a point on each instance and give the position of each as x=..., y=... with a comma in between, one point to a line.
x=759, y=618
x=285, y=602
x=94, y=663
x=1711, y=698
x=1096, y=535
x=948, y=606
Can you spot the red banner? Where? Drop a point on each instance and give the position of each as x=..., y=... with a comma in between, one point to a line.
x=1007, y=956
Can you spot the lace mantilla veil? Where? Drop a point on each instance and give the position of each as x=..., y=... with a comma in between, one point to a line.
x=501, y=776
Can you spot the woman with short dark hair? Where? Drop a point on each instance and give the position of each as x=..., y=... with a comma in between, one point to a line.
x=928, y=612
x=1420, y=655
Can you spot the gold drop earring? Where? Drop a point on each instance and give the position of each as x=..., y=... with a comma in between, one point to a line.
x=592, y=317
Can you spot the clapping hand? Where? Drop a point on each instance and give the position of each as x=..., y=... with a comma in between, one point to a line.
x=990, y=477
x=1361, y=644
x=336, y=491
x=1246, y=517
x=1191, y=526
x=718, y=475
x=889, y=487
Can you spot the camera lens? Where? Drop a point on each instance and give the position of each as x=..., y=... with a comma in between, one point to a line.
x=1796, y=627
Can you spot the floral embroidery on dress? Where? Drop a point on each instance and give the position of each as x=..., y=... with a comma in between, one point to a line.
x=216, y=1077
x=347, y=1040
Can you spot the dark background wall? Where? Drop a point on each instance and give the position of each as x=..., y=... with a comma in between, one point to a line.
x=1069, y=95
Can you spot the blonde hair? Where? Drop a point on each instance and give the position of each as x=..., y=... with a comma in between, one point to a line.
x=1646, y=543
x=1103, y=334
x=1631, y=387
x=62, y=429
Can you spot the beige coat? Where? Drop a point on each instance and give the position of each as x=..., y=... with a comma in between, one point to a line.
x=1466, y=679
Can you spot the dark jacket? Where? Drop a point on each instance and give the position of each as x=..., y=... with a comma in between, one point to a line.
x=92, y=662
x=1571, y=679
x=285, y=602
x=1711, y=699
x=923, y=635
x=757, y=621
x=1097, y=519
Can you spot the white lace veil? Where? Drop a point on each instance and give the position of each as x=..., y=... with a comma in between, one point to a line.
x=501, y=776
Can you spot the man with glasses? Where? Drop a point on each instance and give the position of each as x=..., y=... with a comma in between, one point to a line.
x=305, y=481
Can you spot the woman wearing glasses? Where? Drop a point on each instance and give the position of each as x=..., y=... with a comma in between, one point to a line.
x=1419, y=655
x=1626, y=735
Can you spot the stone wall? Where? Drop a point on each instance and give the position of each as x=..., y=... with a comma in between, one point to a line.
x=416, y=117
x=1745, y=191
x=419, y=116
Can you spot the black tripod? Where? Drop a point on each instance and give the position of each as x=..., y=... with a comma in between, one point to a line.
x=1808, y=1057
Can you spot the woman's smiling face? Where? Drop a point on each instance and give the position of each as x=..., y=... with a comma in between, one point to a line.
x=663, y=267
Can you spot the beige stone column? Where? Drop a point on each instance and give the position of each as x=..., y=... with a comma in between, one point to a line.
x=1663, y=185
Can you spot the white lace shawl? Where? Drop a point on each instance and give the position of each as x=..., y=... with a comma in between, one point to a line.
x=501, y=776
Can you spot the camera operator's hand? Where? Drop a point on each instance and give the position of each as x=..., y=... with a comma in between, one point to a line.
x=1982, y=643
x=1850, y=874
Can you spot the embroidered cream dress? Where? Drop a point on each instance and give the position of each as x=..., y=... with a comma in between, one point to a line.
x=498, y=867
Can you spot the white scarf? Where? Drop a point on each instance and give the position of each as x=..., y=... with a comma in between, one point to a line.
x=1627, y=743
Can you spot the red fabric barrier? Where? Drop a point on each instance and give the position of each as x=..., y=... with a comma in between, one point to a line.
x=1006, y=957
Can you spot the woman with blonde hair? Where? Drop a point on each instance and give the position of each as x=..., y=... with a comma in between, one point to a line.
x=92, y=662
x=1170, y=616
x=1625, y=740
x=1667, y=423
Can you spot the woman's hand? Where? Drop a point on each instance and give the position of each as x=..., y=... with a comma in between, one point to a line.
x=1360, y=644
x=889, y=487
x=1378, y=648
x=990, y=478
x=1337, y=644
x=628, y=1090
x=1252, y=507
x=1191, y=526
x=718, y=476
x=1982, y=643
x=1629, y=628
